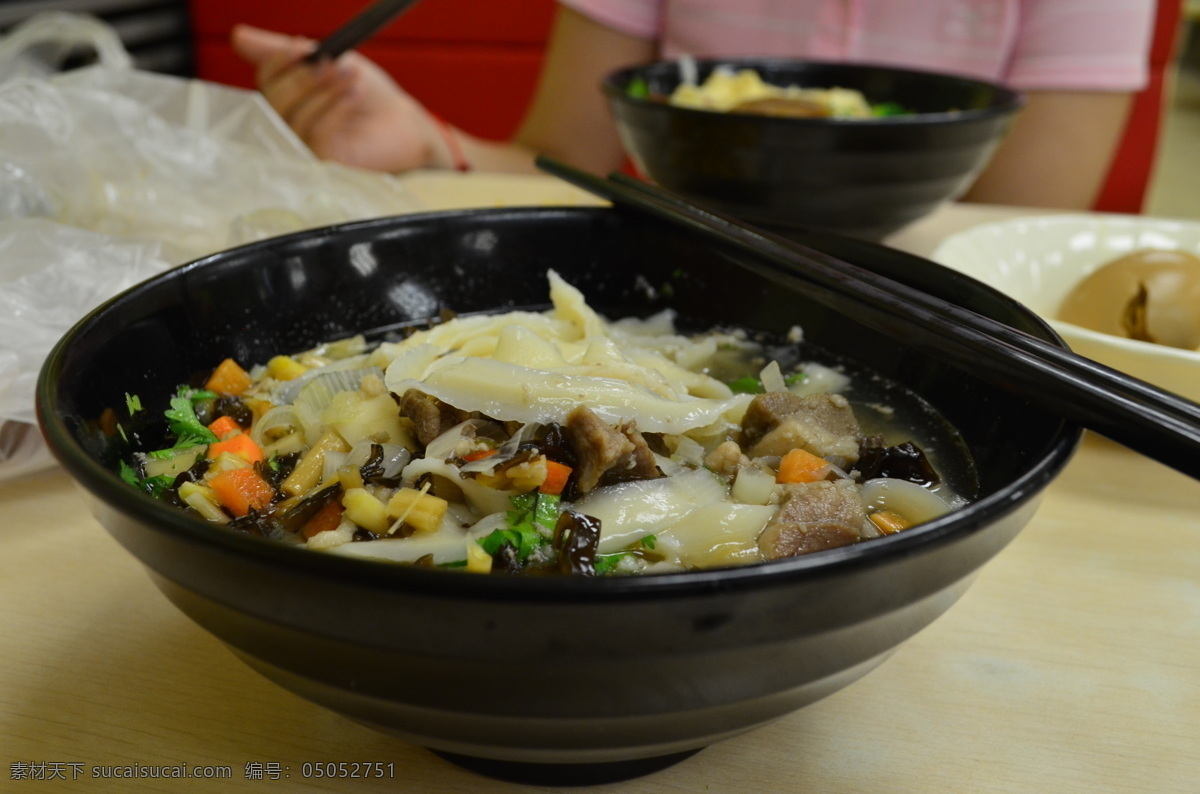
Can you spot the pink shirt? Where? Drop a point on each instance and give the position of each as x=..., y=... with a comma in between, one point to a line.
x=1027, y=44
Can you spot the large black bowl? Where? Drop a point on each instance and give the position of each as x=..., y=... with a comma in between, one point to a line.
x=588, y=677
x=863, y=177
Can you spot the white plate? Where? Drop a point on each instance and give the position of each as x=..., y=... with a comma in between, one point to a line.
x=1038, y=260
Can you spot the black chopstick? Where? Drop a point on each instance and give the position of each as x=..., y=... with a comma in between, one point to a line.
x=1155, y=422
x=360, y=28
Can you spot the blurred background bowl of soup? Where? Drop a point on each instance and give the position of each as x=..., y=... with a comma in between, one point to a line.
x=928, y=136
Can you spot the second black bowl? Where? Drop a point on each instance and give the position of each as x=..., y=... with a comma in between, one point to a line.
x=863, y=177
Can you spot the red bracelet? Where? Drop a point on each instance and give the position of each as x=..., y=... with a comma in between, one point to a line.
x=451, y=140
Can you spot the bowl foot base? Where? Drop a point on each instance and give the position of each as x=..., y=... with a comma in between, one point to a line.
x=565, y=774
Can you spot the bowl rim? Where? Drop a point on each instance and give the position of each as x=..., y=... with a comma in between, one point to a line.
x=1008, y=100
x=999, y=230
x=106, y=485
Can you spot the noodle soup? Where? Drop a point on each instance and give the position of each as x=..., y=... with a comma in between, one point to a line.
x=556, y=442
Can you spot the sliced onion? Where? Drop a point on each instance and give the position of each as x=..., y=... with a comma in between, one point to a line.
x=331, y=461
x=506, y=452
x=688, y=450
x=279, y=416
x=318, y=393
x=442, y=447
x=772, y=378
x=310, y=421
x=910, y=500
x=290, y=390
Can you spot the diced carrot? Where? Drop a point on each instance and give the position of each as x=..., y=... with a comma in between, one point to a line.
x=241, y=489
x=800, y=465
x=479, y=454
x=108, y=422
x=224, y=426
x=889, y=522
x=229, y=378
x=556, y=478
x=325, y=519
x=240, y=444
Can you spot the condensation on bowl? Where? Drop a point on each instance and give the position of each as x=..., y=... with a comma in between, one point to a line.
x=1038, y=260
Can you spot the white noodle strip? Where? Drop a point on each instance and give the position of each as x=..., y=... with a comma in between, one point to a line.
x=511, y=393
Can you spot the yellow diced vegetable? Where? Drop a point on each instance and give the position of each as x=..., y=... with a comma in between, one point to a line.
x=226, y=461
x=285, y=368
x=478, y=560
x=521, y=477
x=258, y=407
x=365, y=510
x=292, y=442
x=350, y=477
x=176, y=464
x=308, y=470
x=201, y=499
x=421, y=511
x=528, y=475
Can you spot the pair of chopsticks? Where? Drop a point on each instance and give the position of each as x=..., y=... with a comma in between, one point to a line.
x=360, y=28
x=1157, y=423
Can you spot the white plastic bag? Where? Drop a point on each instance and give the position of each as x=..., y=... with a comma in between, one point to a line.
x=109, y=175
x=39, y=46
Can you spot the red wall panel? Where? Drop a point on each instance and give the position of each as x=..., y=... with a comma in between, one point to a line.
x=473, y=62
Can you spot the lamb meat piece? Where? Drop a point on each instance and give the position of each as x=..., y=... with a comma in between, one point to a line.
x=642, y=464
x=430, y=416
x=598, y=446
x=606, y=453
x=765, y=412
x=787, y=107
x=840, y=449
x=823, y=424
x=816, y=516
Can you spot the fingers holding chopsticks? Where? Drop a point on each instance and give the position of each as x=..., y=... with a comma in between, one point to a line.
x=347, y=109
x=318, y=100
x=301, y=92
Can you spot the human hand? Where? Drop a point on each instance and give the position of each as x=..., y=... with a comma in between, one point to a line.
x=348, y=110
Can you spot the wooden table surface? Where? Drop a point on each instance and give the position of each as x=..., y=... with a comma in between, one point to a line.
x=1072, y=664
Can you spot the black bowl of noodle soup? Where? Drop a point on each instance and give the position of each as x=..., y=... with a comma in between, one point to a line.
x=882, y=147
x=636, y=667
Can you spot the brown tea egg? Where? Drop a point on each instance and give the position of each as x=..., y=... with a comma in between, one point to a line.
x=1151, y=295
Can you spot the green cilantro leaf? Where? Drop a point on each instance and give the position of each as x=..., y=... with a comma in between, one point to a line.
x=884, y=109
x=182, y=419
x=638, y=88
x=532, y=519
x=155, y=486
x=607, y=563
x=525, y=540
x=129, y=475
x=746, y=385
x=546, y=511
